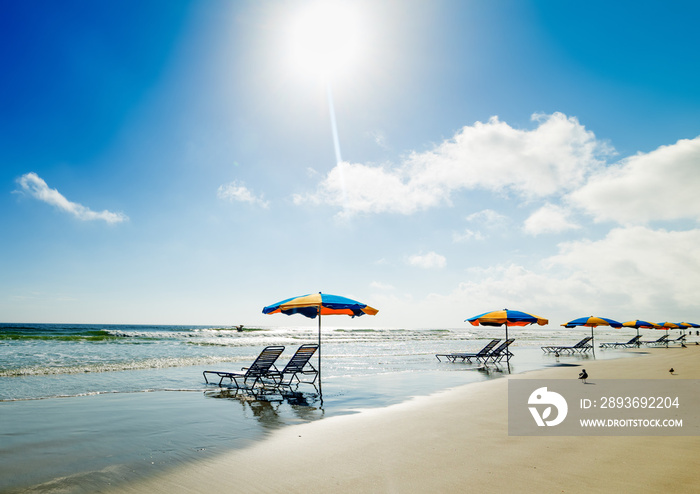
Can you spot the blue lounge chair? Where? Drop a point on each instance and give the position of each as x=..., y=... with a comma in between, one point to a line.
x=500, y=352
x=581, y=347
x=633, y=342
x=257, y=371
x=660, y=341
x=452, y=357
x=680, y=339
x=298, y=365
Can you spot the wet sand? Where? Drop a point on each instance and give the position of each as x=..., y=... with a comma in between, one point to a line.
x=456, y=441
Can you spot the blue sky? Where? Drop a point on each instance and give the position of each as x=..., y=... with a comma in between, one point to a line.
x=174, y=162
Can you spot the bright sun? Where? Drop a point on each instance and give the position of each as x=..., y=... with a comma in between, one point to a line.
x=325, y=39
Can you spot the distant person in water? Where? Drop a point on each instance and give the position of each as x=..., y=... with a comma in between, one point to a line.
x=583, y=376
x=239, y=328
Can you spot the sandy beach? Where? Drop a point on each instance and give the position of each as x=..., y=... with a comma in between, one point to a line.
x=454, y=441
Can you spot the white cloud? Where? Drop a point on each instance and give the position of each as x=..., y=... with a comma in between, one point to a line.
x=651, y=268
x=660, y=185
x=549, y=219
x=555, y=156
x=632, y=273
x=358, y=188
x=428, y=261
x=38, y=188
x=488, y=217
x=312, y=173
x=467, y=235
x=379, y=139
x=516, y=287
x=496, y=287
x=236, y=191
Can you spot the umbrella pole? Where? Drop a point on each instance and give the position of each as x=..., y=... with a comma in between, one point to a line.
x=319, y=351
x=508, y=354
x=593, y=340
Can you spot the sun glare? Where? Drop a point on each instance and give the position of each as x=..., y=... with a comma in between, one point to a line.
x=325, y=39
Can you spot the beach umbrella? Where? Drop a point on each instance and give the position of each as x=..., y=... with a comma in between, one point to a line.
x=320, y=304
x=592, y=322
x=506, y=318
x=637, y=323
x=688, y=325
x=667, y=326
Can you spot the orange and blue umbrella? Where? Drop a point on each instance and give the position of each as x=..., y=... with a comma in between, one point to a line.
x=592, y=322
x=666, y=326
x=637, y=323
x=320, y=304
x=506, y=318
x=689, y=325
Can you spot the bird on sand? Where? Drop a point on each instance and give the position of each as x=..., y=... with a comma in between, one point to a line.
x=671, y=370
x=583, y=376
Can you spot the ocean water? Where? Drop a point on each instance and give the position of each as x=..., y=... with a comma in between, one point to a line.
x=85, y=406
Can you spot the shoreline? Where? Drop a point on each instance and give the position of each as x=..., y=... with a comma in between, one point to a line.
x=453, y=440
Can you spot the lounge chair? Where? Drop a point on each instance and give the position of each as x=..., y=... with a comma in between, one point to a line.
x=257, y=371
x=500, y=352
x=298, y=365
x=633, y=342
x=469, y=356
x=660, y=341
x=680, y=339
x=580, y=347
